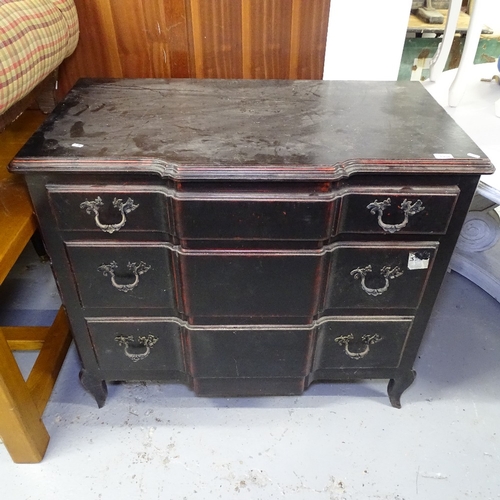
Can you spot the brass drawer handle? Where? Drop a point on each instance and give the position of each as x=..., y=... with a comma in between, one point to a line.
x=386, y=272
x=409, y=209
x=146, y=342
x=92, y=207
x=365, y=339
x=137, y=270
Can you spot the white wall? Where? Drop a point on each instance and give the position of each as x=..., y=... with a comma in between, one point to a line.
x=365, y=39
x=492, y=17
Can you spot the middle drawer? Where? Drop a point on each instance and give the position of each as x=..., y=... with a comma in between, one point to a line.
x=221, y=286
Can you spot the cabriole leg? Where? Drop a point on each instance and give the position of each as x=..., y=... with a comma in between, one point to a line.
x=398, y=385
x=95, y=386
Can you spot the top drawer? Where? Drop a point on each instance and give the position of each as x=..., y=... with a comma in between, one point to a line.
x=253, y=214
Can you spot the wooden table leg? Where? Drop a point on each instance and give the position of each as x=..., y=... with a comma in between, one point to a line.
x=21, y=426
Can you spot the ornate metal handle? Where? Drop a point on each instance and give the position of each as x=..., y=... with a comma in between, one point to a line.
x=408, y=208
x=365, y=339
x=146, y=342
x=92, y=207
x=137, y=270
x=386, y=272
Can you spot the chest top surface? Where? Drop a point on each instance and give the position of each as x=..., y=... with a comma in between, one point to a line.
x=250, y=129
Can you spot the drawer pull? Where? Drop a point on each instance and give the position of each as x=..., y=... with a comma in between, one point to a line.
x=409, y=208
x=92, y=207
x=365, y=339
x=146, y=342
x=137, y=270
x=386, y=272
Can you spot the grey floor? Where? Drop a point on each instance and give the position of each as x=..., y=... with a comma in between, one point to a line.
x=337, y=441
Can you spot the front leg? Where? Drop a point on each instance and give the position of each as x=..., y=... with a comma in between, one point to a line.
x=398, y=385
x=95, y=386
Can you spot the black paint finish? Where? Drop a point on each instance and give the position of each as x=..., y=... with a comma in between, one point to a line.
x=249, y=122
x=222, y=233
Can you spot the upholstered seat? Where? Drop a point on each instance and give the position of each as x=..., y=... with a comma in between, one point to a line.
x=35, y=37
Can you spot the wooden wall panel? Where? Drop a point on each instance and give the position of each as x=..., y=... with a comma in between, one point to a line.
x=309, y=38
x=267, y=38
x=198, y=39
x=216, y=29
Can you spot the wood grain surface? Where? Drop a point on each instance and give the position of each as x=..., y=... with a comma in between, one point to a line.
x=198, y=39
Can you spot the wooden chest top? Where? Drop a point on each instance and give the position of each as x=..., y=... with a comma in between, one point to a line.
x=250, y=130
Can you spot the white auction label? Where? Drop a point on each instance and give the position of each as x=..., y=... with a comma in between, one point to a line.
x=443, y=156
x=417, y=262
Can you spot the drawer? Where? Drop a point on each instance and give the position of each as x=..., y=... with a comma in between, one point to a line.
x=110, y=209
x=123, y=275
x=378, y=275
x=254, y=216
x=351, y=342
x=397, y=210
x=136, y=344
x=242, y=352
x=234, y=286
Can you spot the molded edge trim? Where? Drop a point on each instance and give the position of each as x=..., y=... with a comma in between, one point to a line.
x=178, y=172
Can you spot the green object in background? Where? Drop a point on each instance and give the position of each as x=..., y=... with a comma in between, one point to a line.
x=418, y=52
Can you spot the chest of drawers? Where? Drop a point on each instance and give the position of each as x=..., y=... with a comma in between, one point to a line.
x=249, y=237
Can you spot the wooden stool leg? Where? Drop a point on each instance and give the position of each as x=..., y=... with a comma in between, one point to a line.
x=21, y=427
x=48, y=364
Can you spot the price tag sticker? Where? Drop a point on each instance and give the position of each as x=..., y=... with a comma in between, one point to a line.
x=418, y=260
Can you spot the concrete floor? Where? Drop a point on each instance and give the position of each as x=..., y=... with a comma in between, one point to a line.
x=337, y=441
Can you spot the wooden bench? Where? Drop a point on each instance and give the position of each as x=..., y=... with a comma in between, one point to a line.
x=22, y=402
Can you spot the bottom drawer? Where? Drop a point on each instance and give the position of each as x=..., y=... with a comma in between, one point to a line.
x=354, y=342
x=135, y=346
x=257, y=351
x=138, y=346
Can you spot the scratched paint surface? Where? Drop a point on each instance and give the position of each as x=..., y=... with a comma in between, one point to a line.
x=229, y=122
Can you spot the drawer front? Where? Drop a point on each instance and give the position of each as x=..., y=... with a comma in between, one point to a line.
x=249, y=352
x=120, y=210
x=352, y=342
x=251, y=218
x=397, y=210
x=124, y=275
x=378, y=275
x=109, y=209
x=136, y=344
x=238, y=286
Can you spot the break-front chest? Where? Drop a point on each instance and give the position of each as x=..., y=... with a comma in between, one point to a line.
x=249, y=237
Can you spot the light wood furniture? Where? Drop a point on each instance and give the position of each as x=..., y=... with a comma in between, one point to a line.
x=416, y=25
x=22, y=402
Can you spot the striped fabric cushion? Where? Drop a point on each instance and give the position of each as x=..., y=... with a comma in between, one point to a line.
x=35, y=37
